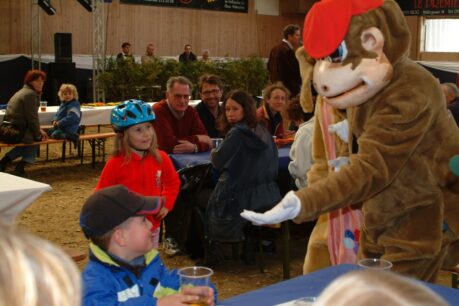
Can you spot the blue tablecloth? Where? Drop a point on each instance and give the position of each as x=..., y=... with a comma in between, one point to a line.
x=187, y=160
x=311, y=285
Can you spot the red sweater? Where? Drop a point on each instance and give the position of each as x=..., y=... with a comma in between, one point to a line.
x=170, y=130
x=143, y=175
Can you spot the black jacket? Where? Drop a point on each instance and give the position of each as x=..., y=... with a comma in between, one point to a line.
x=208, y=120
x=283, y=66
x=247, y=161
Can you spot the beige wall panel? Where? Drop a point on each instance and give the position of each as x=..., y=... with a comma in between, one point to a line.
x=224, y=34
x=232, y=34
x=14, y=26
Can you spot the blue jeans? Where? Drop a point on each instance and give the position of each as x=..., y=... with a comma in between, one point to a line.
x=28, y=153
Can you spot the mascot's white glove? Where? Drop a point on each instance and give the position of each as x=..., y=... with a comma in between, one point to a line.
x=287, y=209
x=337, y=163
x=341, y=129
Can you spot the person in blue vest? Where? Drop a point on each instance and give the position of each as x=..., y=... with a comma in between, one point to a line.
x=124, y=268
x=66, y=121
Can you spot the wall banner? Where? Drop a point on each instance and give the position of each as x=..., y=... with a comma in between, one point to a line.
x=429, y=7
x=237, y=6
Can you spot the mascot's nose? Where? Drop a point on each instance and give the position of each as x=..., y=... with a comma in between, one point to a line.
x=322, y=88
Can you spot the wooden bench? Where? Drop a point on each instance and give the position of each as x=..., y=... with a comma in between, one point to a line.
x=96, y=140
x=43, y=142
x=75, y=254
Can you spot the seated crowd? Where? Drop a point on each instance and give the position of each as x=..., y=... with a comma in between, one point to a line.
x=139, y=185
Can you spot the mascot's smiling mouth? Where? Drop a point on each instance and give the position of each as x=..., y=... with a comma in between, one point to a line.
x=361, y=86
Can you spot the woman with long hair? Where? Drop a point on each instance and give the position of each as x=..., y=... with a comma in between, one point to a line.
x=247, y=161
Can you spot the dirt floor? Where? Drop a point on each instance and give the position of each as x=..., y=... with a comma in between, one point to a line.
x=54, y=216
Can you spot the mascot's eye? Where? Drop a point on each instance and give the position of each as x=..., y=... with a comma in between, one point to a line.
x=339, y=54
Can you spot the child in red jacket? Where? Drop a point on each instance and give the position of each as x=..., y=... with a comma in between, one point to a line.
x=137, y=163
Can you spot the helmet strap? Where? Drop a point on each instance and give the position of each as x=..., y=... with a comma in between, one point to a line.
x=140, y=152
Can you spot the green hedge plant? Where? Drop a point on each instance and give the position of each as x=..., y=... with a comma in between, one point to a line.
x=125, y=80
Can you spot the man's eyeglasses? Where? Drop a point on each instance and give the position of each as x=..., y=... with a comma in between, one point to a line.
x=210, y=92
x=179, y=96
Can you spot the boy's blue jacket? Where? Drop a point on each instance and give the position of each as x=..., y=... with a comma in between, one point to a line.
x=107, y=283
x=69, y=116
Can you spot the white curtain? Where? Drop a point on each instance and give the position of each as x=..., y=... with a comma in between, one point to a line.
x=441, y=35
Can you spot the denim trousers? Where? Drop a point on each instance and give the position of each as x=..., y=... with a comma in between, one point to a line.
x=28, y=153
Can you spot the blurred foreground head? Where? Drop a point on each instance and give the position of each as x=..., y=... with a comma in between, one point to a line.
x=34, y=272
x=377, y=288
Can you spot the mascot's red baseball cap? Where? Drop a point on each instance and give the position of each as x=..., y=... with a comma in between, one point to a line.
x=328, y=21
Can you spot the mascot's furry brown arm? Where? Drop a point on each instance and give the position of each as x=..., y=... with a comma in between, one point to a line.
x=405, y=138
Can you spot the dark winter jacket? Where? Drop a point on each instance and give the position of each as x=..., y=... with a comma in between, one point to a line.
x=247, y=161
x=22, y=110
x=208, y=119
x=106, y=282
x=68, y=117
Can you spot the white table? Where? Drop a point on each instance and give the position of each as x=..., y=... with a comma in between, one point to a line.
x=99, y=115
x=16, y=194
x=90, y=115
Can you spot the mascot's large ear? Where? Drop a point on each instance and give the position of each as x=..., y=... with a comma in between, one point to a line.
x=392, y=23
x=306, y=68
x=372, y=40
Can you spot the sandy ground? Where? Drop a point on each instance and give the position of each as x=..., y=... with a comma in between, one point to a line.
x=54, y=216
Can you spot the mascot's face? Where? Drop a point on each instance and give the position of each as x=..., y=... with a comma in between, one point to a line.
x=341, y=86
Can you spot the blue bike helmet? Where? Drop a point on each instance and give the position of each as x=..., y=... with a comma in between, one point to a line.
x=129, y=113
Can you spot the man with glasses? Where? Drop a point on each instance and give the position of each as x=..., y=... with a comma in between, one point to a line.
x=179, y=130
x=178, y=126
x=210, y=91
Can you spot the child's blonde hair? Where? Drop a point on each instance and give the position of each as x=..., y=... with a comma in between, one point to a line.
x=122, y=146
x=35, y=272
x=67, y=87
x=373, y=287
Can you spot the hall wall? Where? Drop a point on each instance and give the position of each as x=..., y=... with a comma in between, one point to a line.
x=223, y=33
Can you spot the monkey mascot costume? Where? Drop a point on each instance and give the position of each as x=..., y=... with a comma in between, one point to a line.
x=357, y=55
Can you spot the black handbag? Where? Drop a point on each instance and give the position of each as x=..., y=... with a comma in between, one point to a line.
x=11, y=132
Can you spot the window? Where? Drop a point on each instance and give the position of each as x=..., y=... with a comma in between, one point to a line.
x=441, y=35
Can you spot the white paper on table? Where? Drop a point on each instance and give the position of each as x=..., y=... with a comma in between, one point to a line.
x=291, y=303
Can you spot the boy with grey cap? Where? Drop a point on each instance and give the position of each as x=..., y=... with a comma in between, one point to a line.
x=124, y=268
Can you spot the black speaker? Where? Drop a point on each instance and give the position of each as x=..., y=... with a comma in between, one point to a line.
x=58, y=73
x=63, y=47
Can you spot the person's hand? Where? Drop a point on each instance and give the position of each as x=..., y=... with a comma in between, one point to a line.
x=44, y=135
x=201, y=292
x=341, y=129
x=338, y=162
x=162, y=213
x=184, y=146
x=187, y=296
x=289, y=134
x=205, y=139
x=288, y=208
x=54, y=123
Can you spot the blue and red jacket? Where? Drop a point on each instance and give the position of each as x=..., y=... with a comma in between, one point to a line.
x=107, y=283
